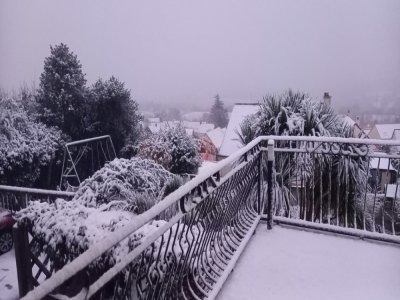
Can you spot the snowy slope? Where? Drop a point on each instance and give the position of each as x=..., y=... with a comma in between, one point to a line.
x=293, y=264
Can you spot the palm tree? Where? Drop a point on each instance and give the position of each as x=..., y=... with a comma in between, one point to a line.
x=309, y=185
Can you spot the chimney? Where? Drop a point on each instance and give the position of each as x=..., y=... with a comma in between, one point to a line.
x=327, y=99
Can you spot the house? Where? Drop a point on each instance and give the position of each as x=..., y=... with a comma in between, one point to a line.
x=231, y=142
x=395, y=137
x=393, y=191
x=198, y=127
x=357, y=131
x=210, y=143
x=383, y=131
x=154, y=120
x=381, y=172
x=194, y=116
x=156, y=127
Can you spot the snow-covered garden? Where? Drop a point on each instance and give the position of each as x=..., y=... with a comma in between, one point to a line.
x=152, y=228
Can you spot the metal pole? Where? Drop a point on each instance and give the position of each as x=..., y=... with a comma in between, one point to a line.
x=22, y=259
x=270, y=163
x=259, y=204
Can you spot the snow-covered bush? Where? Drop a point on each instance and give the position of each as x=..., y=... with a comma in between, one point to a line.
x=155, y=148
x=172, y=148
x=184, y=151
x=131, y=184
x=108, y=200
x=25, y=145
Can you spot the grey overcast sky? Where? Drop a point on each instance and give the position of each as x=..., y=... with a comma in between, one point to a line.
x=187, y=51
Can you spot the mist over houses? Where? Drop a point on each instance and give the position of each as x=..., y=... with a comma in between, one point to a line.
x=218, y=143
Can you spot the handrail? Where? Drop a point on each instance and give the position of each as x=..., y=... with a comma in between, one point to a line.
x=35, y=191
x=324, y=139
x=100, y=248
x=117, y=236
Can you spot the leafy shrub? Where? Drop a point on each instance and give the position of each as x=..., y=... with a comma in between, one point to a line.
x=25, y=145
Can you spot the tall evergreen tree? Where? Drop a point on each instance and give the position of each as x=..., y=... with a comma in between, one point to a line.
x=218, y=114
x=60, y=96
x=111, y=110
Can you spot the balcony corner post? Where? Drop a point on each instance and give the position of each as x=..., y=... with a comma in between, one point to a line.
x=270, y=164
x=260, y=182
x=22, y=259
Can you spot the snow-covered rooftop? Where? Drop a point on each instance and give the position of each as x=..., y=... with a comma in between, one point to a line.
x=154, y=120
x=381, y=163
x=285, y=263
x=216, y=136
x=194, y=116
x=386, y=130
x=156, y=127
x=348, y=120
x=396, y=135
x=230, y=143
x=205, y=127
x=198, y=127
x=393, y=191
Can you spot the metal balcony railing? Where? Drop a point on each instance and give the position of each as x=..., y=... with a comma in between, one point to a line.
x=15, y=198
x=322, y=183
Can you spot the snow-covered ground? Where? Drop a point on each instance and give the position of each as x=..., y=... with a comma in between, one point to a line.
x=292, y=264
x=8, y=276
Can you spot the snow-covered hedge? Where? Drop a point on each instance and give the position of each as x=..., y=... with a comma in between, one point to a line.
x=126, y=182
x=25, y=145
x=108, y=200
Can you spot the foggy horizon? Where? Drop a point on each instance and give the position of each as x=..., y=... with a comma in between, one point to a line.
x=186, y=52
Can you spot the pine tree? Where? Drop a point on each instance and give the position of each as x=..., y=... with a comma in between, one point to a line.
x=111, y=110
x=218, y=114
x=60, y=96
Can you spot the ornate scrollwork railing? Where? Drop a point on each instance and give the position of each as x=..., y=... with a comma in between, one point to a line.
x=307, y=180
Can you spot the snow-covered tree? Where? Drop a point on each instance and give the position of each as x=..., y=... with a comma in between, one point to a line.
x=25, y=145
x=60, y=96
x=156, y=148
x=295, y=114
x=172, y=147
x=184, y=150
x=111, y=110
x=218, y=113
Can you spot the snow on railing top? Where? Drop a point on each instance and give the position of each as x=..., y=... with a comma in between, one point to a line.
x=19, y=189
x=101, y=247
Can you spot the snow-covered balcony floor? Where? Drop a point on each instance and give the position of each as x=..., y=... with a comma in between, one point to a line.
x=287, y=263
